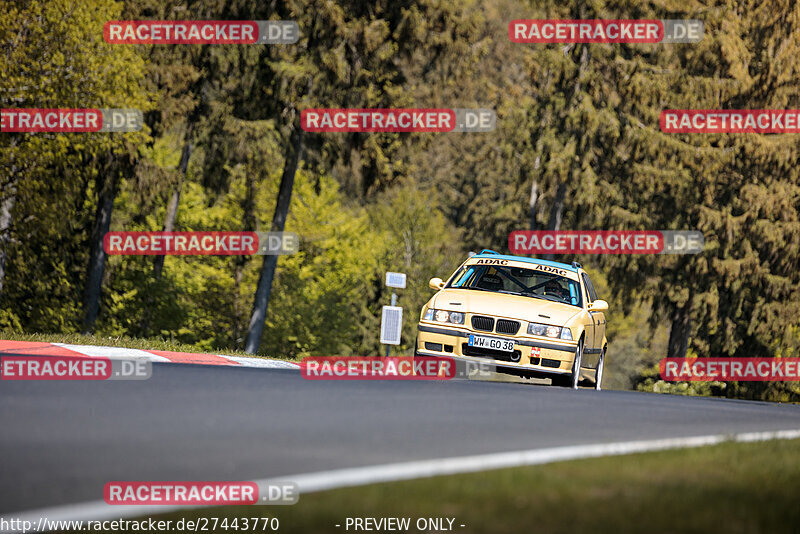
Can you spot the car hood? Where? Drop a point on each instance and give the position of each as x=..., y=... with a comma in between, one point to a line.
x=504, y=305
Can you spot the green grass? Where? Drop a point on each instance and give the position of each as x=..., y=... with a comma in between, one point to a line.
x=126, y=342
x=730, y=488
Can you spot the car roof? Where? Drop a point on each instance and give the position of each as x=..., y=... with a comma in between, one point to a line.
x=486, y=253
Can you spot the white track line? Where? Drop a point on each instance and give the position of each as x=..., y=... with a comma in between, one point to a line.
x=359, y=476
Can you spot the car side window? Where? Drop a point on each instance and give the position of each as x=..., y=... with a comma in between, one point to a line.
x=589, y=288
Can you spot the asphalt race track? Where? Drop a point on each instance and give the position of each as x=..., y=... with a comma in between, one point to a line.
x=61, y=441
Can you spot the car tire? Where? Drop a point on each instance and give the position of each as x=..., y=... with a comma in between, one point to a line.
x=576, y=366
x=571, y=380
x=598, y=377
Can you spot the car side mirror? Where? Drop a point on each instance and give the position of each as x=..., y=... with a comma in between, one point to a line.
x=598, y=306
x=436, y=283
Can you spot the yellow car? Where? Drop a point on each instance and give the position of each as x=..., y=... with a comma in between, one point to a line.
x=530, y=317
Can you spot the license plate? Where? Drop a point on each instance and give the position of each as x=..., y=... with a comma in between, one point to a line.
x=495, y=343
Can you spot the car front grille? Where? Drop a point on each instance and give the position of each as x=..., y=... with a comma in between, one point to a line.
x=485, y=324
x=505, y=326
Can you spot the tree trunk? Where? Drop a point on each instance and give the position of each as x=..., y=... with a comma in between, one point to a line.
x=169, y=226
x=556, y=213
x=107, y=184
x=680, y=330
x=533, y=204
x=6, y=207
x=261, y=301
x=248, y=224
x=557, y=209
x=172, y=207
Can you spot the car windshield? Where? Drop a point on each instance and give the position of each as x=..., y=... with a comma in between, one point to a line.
x=518, y=281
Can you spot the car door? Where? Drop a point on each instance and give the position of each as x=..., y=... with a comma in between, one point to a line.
x=589, y=343
x=598, y=323
x=599, y=326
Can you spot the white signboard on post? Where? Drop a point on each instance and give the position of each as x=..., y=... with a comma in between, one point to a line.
x=391, y=325
x=397, y=280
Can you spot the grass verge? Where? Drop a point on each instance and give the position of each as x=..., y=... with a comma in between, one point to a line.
x=729, y=488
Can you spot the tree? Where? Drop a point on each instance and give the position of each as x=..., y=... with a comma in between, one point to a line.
x=56, y=57
x=737, y=297
x=349, y=55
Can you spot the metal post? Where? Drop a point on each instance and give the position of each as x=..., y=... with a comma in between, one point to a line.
x=394, y=303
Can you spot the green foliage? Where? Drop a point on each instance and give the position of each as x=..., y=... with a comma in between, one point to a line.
x=578, y=122
x=415, y=238
x=327, y=297
x=54, y=56
x=319, y=291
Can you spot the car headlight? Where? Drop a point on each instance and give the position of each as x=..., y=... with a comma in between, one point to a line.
x=538, y=329
x=444, y=316
x=457, y=317
x=566, y=333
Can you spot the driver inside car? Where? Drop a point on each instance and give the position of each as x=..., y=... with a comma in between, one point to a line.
x=490, y=281
x=554, y=289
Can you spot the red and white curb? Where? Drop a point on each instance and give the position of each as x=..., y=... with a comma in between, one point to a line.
x=33, y=348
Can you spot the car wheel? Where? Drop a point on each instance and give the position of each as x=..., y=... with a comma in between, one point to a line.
x=576, y=366
x=571, y=380
x=598, y=377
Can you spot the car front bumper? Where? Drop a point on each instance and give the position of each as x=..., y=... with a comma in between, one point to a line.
x=551, y=357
